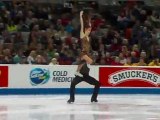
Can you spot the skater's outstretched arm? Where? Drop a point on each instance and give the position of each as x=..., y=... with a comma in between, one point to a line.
x=84, y=33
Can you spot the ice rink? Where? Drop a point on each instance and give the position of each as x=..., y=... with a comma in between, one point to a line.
x=55, y=107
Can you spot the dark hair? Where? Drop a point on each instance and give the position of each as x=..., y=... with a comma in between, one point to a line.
x=86, y=19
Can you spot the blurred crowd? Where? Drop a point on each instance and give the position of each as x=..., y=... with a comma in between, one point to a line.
x=47, y=35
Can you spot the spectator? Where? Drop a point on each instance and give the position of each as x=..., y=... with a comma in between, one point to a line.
x=143, y=55
x=69, y=28
x=59, y=25
x=31, y=57
x=136, y=50
x=40, y=60
x=102, y=61
x=122, y=20
x=154, y=62
x=11, y=27
x=54, y=62
x=108, y=59
x=140, y=63
x=134, y=59
x=128, y=62
x=116, y=62
x=17, y=59
x=127, y=34
x=7, y=56
x=63, y=34
x=76, y=62
x=125, y=52
x=154, y=18
x=122, y=59
x=34, y=36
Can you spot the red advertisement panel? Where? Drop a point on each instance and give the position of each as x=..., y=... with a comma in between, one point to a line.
x=129, y=77
x=3, y=76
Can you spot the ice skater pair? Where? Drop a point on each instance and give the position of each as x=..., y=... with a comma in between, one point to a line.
x=82, y=73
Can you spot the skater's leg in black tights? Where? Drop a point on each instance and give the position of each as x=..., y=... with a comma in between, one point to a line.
x=74, y=82
x=93, y=81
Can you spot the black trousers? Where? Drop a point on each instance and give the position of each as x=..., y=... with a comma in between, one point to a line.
x=88, y=79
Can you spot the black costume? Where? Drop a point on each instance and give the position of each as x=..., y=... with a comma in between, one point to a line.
x=85, y=72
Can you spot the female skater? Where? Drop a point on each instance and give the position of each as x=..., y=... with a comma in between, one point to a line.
x=84, y=36
x=83, y=69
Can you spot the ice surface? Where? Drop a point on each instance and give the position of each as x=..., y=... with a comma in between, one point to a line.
x=55, y=107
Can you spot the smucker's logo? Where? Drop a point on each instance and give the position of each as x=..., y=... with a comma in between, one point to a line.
x=126, y=75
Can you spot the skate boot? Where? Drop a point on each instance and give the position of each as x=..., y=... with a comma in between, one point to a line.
x=94, y=100
x=70, y=101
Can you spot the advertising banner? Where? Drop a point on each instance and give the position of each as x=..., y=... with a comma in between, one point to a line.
x=129, y=76
x=45, y=76
x=3, y=76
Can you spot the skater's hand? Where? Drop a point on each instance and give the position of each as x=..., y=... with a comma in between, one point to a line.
x=88, y=65
x=81, y=13
x=78, y=74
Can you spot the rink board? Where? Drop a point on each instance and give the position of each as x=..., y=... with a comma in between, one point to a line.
x=46, y=79
x=43, y=91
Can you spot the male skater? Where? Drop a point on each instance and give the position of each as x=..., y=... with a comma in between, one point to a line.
x=84, y=71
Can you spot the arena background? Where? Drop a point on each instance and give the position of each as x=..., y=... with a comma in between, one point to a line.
x=21, y=75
